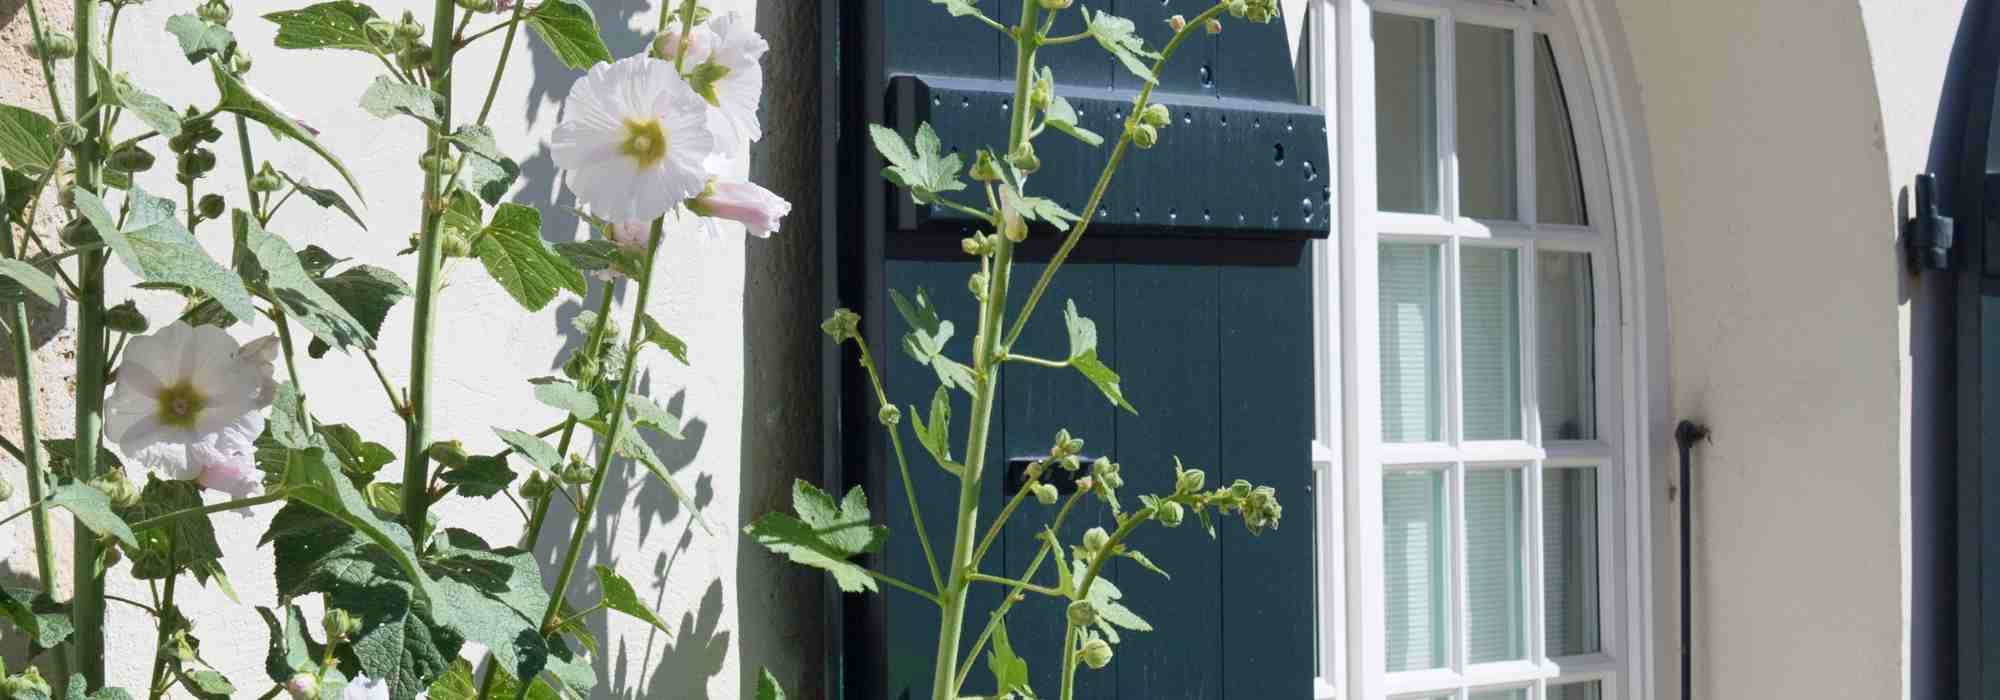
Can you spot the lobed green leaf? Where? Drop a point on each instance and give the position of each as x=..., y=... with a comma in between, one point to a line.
x=200, y=39
x=515, y=255
x=569, y=29
x=339, y=24
x=620, y=596
x=28, y=141
x=288, y=283
x=824, y=535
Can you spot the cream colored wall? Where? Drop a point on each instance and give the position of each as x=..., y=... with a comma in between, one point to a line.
x=1778, y=134
x=745, y=308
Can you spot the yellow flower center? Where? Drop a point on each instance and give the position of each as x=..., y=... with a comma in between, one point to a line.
x=180, y=405
x=645, y=142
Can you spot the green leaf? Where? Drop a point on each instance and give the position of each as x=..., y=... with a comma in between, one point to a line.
x=183, y=542
x=290, y=285
x=388, y=97
x=482, y=476
x=516, y=256
x=1111, y=614
x=459, y=684
x=647, y=413
x=77, y=684
x=492, y=597
x=557, y=393
x=657, y=334
x=1010, y=672
x=16, y=191
x=1044, y=209
x=619, y=596
x=367, y=293
x=22, y=279
x=1083, y=356
x=92, y=510
x=36, y=614
x=1145, y=562
x=927, y=337
x=1062, y=116
x=935, y=434
x=328, y=25
x=633, y=447
x=118, y=91
x=200, y=39
x=325, y=198
x=960, y=8
x=359, y=458
x=319, y=484
x=531, y=448
x=206, y=685
x=155, y=246
x=601, y=255
x=926, y=171
x=28, y=140
x=824, y=535
x=317, y=261
x=767, y=686
x=1120, y=37
x=292, y=647
x=570, y=31
x=238, y=98
x=487, y=172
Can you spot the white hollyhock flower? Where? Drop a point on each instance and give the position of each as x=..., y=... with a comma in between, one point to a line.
x=187, y=387
x=365, y=688
x=736, y=68
x=700, y=44
x=231, y=469
x=634, y=140
x=758, y=209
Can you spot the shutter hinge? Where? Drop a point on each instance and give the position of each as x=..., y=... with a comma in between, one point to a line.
x=1927, y=237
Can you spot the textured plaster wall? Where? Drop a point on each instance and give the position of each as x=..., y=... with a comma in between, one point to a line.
x=746, y=308
x=1781, y=133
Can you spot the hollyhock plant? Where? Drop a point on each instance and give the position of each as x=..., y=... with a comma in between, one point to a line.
x=185, y=388
x=758, y=209
x=634, y=140
x=730, y=76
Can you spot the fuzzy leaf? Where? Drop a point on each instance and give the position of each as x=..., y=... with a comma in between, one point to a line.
x=600, y=255
x=633, y=447
x=570, y=31
x=521, y=262
x=92, y=510
x=326, y=199
x=459, y=684
x=22, y=279
x=302, y=296
x=493, y=597
x=28, y=140
x=316, y=553
x=935, y=434
x=367, y=293
x=824, y=535
x=359, y=458
x=1062, y=117
x=960, y=8
x=319, y=484
x=1083, y=356
x=328, y=25
x=557, y=393
x=17, y=189
x=926, y=171
x=657, y=334
x=1111, y=614
x=531, y=448
x=647, y=413
x=292, y=646
x=619, y=596
x=205, y=684
x=1145, y=562
x=238, y=98
x=155, y=246
x=388, y=97
x=1010, y=672
x=1120, y=37
x=1044, y=209
x=184, y=542
x=486, y=173
x=200, y=39
x=481, y=477
x=37, y=615
x=120, y=92
x=927, y=337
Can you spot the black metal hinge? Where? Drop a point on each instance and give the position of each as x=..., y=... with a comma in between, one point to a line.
x=1927, y=236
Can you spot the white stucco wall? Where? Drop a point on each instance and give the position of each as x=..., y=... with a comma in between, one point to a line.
x=1778, y=134
x=732, y=609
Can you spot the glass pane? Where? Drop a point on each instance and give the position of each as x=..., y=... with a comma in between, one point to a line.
x=1508, y=694
x=1413, y=569
x=1496, y=567
x=1406, y=114
x=1489, y=310
x=1569, y=561
x=1591, y=690
x=1485, y=80
x=1558, y=178
x=1566, y=345
x=1412, y=378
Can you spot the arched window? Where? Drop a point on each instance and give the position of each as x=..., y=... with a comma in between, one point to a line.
x=1473, y=470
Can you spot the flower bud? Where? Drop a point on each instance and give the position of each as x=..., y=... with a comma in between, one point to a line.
x=409, y=29
x=1042, y=93
x=1214, y=26
x=1145, y=136
x=339, y=624
x=889, y=415
x=1095, y=539
x=303, y=686
x=125, y=318
x=454, y=244
x=211, y=206
x=239, y=63
x=1073, y=446
x=1071, y=463
x=842, y=325
x=1177, y=23
x=535, y=487
x=71, y=133
x=576, y=472
x=984, y=168
x=1107, y=471
x=381, y=32
x=6, y=490
x=1046, y=494
x=1011, y=224
x=1189, y=481
x=1170, y=513
x=1060, y=446
x=1156, y=115
x=1024, y=158
x=79, y=232
x=1082, y=614
x=121, y=491
x=1057, y=4
x=1238, y=8
x=1085, y=483
x=130, y=159
x=1096, y=653
x=972, y=245
x=449, y=454
x=55, y=46
x=266, y=180
x=415, y=57
x=216, y=11
x=1239, y=489
x=976, y=285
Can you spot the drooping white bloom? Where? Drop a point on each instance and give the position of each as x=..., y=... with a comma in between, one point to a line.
x=634, y=140
x=735, y=65
x=758, y=209
x=365, y=688
x=187, y=387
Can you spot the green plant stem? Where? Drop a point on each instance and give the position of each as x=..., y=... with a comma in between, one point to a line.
x=430, y=252
x=1103, y=178
x=164, y=518
x=48, y=64
x=1007, y=603
x=156, y=684
x=634, y=334
x=595, y=341
x=1007, y=511
x=905, y=585
x=1118, y=536
x=1037, y=361
x=500, y=68
x=87, y=605
x=903, y=467
x=1017, y=585
x=1068, y=677
x=951, y=620
x=30, y=452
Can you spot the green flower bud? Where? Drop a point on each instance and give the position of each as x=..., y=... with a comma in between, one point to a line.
x=535, y=487
x=1170, y=513
x=6, y=490
x=972, y=245
x=1060, y=446
x=576, y=472
x=842, y=325
x=415, y=57
x=130, y=159
x=1177, y=23
x=1057, y=4
x=196, y=163
x=339, y=624
x=216, y=11
x=449, y=454
x=303, y=686
x=1012, y=226
x=1238, y=8
x=1106, y=471
x=1047, y=494
x=240, y=63
x=1082, y=614
x=55, y=46
x=71, y=133
x=267, y=180
x=984, y=168
x=120, y=490
x=476, y=5
x=1024, y=158
x=1189, y=481
x=1042, y=93
x=889, y=415
x=211, y=206
x=1214, y=26
x=434, y=162
x=1145, y=136
x=454, y=244
x=409, y=29
x=79, y=232
x=126, y=318
x=1071, y=463
x=1156, y=115
x=1073, y=446
x=1239, y=489
x=976, y=285
x=1096, y=653
x=1095, y=539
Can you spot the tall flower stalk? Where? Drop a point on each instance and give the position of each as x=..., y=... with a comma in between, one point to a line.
x=430, y=256
x=87, y=603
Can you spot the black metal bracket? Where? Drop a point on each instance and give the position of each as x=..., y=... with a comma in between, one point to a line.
x=1927, y=236
x=1063, y=479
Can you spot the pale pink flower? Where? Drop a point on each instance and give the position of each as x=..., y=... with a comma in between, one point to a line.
x=186, y=386
x=758, y=209
x=231, y=469
x=634, y=141
x=365, y=688
x=700, y=44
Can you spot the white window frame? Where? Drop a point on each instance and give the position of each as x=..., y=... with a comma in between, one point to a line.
x=1348, y=455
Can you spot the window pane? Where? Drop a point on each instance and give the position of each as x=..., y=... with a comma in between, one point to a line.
x=1592, y=690
x=1558, y=179
x=1485, y=80
x=1413, y=569
x=1566, y=346
x=1406, y=114
x=1508, y=694
x=1491, y=348
x=1569, y=561
x=1412, y=378
x=1496, y=567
